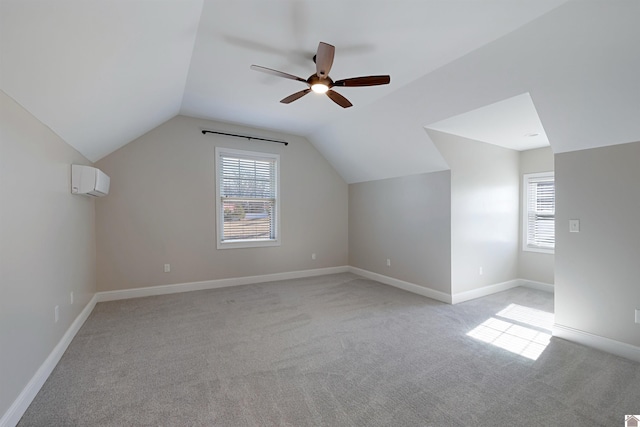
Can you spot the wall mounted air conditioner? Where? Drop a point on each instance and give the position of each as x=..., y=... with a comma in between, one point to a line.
x=89, y=180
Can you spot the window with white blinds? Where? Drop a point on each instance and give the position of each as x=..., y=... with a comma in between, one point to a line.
x=247, y=198
x=539, y=216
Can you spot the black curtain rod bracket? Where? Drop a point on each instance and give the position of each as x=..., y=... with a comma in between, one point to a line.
x=204, y=132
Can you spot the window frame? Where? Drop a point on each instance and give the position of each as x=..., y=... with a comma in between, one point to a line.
x=525, y=213
x=221, y=152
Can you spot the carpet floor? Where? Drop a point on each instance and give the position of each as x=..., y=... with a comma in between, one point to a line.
x=335, y=350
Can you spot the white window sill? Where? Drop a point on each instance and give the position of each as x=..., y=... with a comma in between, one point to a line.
x=539, y=249
x=238, y=244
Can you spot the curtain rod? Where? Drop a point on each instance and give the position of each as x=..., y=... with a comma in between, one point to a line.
x=244, y=136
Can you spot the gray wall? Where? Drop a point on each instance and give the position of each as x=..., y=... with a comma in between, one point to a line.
x=535, y=266
x=47, y=245
x=161, y=209
x=406, y=220
x=484, y=211
x=597, y=270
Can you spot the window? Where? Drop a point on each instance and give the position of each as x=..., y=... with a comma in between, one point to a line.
x=247, y=202
x=539, y=212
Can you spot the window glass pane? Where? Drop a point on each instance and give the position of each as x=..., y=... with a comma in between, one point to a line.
x=248, y=219
x=247, y=196
x=540, y=214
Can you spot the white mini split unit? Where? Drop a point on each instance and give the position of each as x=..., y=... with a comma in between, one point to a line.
x=89, y=181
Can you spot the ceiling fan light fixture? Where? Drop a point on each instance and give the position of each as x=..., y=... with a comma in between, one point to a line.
x=320, y=82
x=319, y=88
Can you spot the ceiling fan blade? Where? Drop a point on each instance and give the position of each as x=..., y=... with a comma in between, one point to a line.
x=289, y=99
x=277, y=73
x=339, y=99
x=324, y=59
x=363, y=81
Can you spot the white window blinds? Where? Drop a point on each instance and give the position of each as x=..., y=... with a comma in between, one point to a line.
x=540, y=211
x=247, y=197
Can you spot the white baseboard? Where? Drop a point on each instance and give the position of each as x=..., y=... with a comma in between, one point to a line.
x=214, y=284
x=410, y=287
x=608, y=345
x=484, y=291
x=247, y=280
x=455, y=298
x=546, y=287
x=24, y=399
x=499, y=287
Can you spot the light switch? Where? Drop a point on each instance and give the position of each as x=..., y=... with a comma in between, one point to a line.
x=574, y=225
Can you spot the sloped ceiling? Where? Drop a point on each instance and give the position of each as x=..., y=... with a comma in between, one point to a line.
x=100, y=73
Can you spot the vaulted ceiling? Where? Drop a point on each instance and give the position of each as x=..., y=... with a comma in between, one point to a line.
x=100, y=73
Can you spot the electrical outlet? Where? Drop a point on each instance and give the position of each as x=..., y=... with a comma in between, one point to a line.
x=167, y=268
x=480, y=271
x=574, y=225
x=56, y=314
x=388, y=262
x=637, y=315
x=313, y=256
x=71, y=298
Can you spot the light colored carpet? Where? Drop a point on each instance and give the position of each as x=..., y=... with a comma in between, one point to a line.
x=335, y=350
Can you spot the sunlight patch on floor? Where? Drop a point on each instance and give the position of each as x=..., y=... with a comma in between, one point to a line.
x=521, y=330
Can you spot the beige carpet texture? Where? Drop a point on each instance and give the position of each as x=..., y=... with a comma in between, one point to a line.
x=335, y=350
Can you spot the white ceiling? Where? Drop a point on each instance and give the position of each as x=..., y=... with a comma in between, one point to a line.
x=100, y=73
x=512, y=123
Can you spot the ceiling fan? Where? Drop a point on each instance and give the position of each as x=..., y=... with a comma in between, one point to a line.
x=320, y=82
